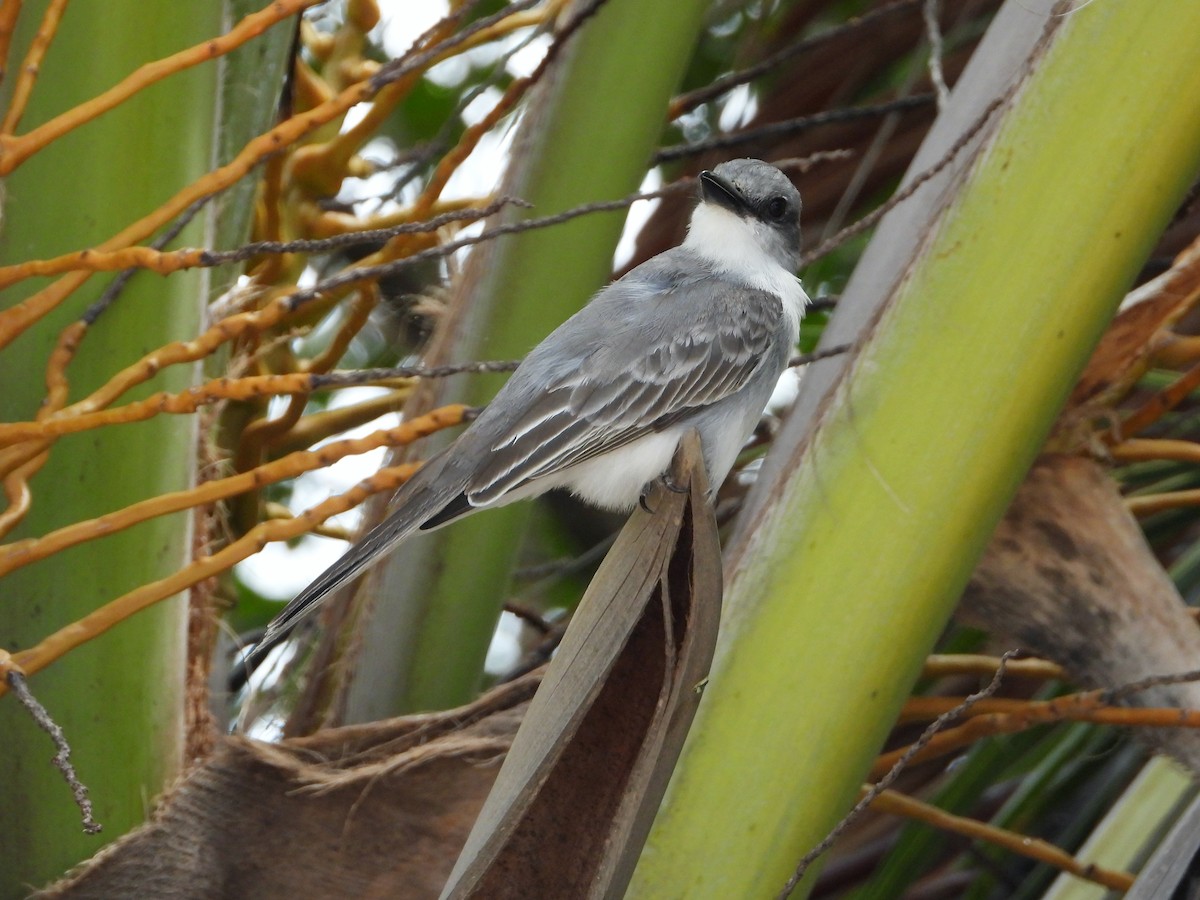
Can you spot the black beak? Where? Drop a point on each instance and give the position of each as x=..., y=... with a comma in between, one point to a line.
x=716, y=189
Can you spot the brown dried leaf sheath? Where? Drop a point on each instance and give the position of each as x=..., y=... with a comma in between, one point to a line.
x=366, y=811
x=577, y=795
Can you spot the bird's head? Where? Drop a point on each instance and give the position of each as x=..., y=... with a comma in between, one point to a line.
x=747, y=201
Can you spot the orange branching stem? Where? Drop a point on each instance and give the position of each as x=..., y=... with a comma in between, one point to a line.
x=15, y=150
x=938, y=665
x=23, y=552
x=57, y=384
x=30, y=68
x=10, y=11
x=94, y=624
x=349, y=142
x=269, y=432
x=226, y=330
x=269, y=224
x=1178, y=351
x=896, y=803
x=1001, y=716
x=322, y=167
x=279, y=511
x=259, y=432
x=329, y=223
x=18, y=493
x=1086, y=706
x=356, y=318
x=182, y=403
x=321, y=425
x=1160, y=404
x=13, y=458
x=471, y=136
x=19, y=464
x=518, y=20
x=16, y=319
x=164, y=262
x=1142, y=449
x=1148, y=504
x=402, y=72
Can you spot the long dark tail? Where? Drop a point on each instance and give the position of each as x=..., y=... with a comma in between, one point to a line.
x=435, y=486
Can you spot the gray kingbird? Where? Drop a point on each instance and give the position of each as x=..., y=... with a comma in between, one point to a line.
x=696, y=337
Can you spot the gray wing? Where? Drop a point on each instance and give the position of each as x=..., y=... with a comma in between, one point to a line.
x=652, y=357
x=641, y=356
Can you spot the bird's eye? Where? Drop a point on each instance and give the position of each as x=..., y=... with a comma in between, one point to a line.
x=776, y=207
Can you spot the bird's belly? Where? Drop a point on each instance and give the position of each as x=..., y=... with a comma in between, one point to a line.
x=616, y=479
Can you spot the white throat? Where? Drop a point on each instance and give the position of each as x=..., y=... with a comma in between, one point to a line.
x=734, y=246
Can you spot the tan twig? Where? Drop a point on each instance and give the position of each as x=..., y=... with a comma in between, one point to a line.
x=1159, y=405
x=939, y=665
x=29, y=550
x=66, y=639
x=891, y=801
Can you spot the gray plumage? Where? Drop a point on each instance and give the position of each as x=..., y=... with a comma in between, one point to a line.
x=696, y=337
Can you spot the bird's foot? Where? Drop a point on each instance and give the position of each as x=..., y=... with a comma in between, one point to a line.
x=668, y=482
x=672, y=485
x=643, y=500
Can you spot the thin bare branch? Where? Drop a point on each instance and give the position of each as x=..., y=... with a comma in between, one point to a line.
x=356, y=238
x=726, y=83
x=789, y=127
x=113, y=291
x=1136, y=687
x=382, y=270
x=62, y=759
x=805, y=358
x=869, y=220
x=933, y=33
x=373, y=376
